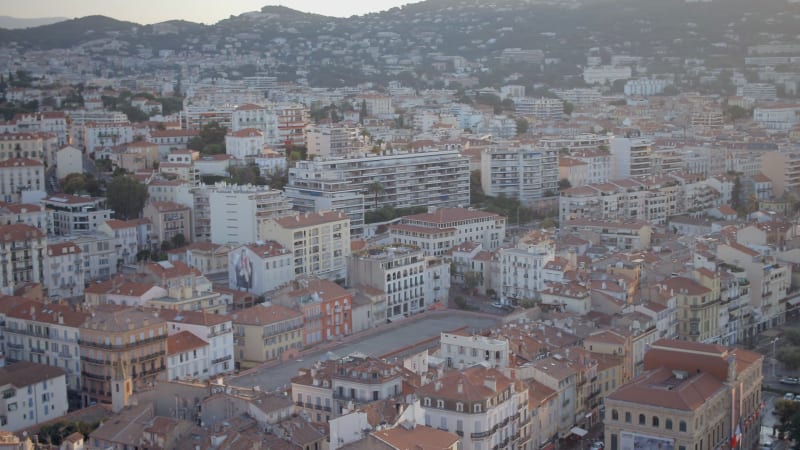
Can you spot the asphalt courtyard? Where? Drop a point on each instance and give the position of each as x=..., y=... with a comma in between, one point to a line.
x=396, y=336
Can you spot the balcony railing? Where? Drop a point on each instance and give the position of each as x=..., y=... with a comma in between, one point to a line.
x=37, y=350
x=95, y=376
x=221, y=359
x=138, y=343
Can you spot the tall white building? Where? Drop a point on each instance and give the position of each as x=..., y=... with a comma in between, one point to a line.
x=440, y=230
x=410, y=280
x=75, y=214
x=523, y=172
x=406, y=179
x=631, y=157
x=63, y=271
x=19, y=175
x=606, y=74
x=521, y=269
x=236, y=211
x=245, y=143
x=97, y=135
x=335, y=140
x=541, y=108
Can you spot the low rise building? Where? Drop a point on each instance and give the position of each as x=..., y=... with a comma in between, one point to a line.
x=263, y=333
x=32, y=394
x=76, y=214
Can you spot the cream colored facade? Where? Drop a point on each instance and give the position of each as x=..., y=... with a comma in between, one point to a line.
x=319, y=242
x=262, y=333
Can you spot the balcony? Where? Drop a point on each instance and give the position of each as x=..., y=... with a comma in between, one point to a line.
x=221, y=359
x=38, y=350
x=139, y=343
x=100, y=362
x=148, y=357
x=481, y=435
x=214, y=334
x=94, y=376
x=14, y=345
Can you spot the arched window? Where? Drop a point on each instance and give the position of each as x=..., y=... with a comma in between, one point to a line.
x=682, y=425
x=655, y=421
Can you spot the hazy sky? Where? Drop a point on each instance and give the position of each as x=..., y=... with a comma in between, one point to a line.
x=205, y=11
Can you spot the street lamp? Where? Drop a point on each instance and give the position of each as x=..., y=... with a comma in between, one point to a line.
x=774, y=340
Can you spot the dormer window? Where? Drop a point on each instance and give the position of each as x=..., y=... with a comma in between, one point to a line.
x=440, y=404
x=427, y=401
x=459, y=407
x=476, y=408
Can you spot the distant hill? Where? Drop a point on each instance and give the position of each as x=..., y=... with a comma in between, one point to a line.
x=13, y=23
x=69, y=32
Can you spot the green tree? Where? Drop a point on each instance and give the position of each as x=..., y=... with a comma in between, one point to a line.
x=178, y=241
x=472, y=280
x=789, y=356
x=564, y=184
x=568, y=108
x=211, y=139
x=143, y=255
x=362, y=113
x=74, y=183
x=736, y=195
x=522, y=125
x=376, y=189
x=736, y=112
x=126, y=197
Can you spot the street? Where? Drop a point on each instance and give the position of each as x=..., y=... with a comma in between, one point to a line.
x=396, y=336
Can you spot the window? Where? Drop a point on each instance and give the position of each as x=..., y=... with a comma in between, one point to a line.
x=427, y=401
x=476, y=408
x=682, y=425
x=628, y=417
x=614, y=414
x=668, y=424
x=440, y=404
x=655, y=421
x=459, y=407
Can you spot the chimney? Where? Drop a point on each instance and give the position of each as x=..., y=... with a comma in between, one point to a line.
x=437, y=386
x=490, y=382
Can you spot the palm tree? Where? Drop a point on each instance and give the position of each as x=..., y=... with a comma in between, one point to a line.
x=376, y=189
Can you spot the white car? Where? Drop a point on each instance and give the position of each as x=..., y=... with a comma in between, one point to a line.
x=597, y=446
x=788, y=396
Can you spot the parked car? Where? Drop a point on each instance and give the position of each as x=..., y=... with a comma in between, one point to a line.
x=598, y=445
x=497, y=305
x=788, y=396
x=790, y=380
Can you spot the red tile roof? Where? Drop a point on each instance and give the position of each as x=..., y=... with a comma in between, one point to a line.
x=183, y=342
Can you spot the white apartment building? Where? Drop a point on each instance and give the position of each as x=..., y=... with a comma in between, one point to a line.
x=187, y=357
x=436, y=232
x=37, y=146
x=540, y=108
x=98, y=253
x=483, y=406
x=598, y=163
x=243, y=144
x=53, y=122
x=237, y=211
x=97, y=135
x=32, y=394
x=377, y=104
x=581, y=141
x=23, y=251
x=73, y=214
x=336, y=140
x=407, y=179
x=521, y=269
x=523, y=172
x=777, y=117
x=126, y=238
x=410, y=281
x=18, y=175
x=63, y=271
x=260, y=267
x=757, y=91
x=68, y=160
x=631, y=157
x=262, y=118
x=606, y=74
x=25, y=213
x=317, y=195
x=318, y=242
x=645, y=87
x=579, y=96
x=46, y=334
x=462, y=351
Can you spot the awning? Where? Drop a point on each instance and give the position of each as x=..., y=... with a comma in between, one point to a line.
x=578, y=431
x=794, y=301
x=588, y=415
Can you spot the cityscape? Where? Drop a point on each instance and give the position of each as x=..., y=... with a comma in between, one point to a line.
x=448, y=225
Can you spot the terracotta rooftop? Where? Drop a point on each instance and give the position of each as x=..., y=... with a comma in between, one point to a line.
x=168, y=206
x=53, y=313
x=19, y=232
x=309, y=219
x=25, y=373
x=662, y=388
x=418, y=438
x=183, y=342
x=62, y=248
x=193, y=317
x=264, y=315
x=20, y=162
x=447, y=215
